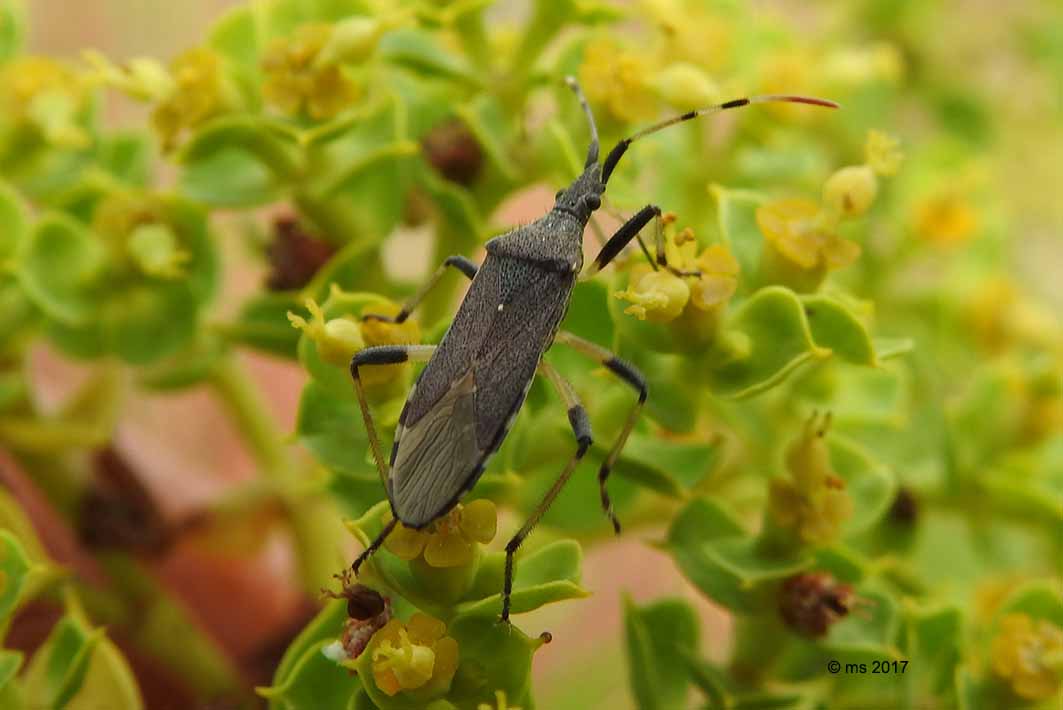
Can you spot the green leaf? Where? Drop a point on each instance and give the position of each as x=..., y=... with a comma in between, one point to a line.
x=1039, y=599
x=235, y=36
x=935, y=646
x=766, y=338
x=10, y=662
x=660, y=637
x=108, y=682
x=419, y=52
x=305, y=678
x=870, y=485
x=13, y=220
x=549, y=574
x=12, y=28
x=58, y=265
x=837, y=328
x=493, y=657
x=718, y=557
x=58, y=668
x=736, y=214
x=263, y=324
x=671, y=468
x=237, y=161
x=15, y=568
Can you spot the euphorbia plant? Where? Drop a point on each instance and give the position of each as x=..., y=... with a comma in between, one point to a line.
x=852, y=441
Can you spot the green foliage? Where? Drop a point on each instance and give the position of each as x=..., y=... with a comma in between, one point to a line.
x=852, y=437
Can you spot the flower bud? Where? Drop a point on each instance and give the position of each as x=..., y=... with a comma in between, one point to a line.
x=882, y=153
x=850, y=191
x=351, y=41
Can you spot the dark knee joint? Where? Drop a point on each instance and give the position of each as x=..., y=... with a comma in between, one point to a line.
x=581, y=427
x=628, y=373
x=380, y=355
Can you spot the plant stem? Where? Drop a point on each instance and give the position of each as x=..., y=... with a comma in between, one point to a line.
x=249, y=411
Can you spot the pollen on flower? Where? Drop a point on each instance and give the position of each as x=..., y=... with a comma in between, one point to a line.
x=413, y=655
x=657, y=296
x=1029, y=655
x=813, y=501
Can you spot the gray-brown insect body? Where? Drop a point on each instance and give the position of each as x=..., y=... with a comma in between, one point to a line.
x=466, y=397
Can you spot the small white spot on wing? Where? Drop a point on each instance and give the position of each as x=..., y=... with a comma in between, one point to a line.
x=500, y=306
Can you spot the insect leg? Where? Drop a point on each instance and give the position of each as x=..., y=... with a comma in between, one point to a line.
x=382, y=355
x=460, y=263
x=581, y=427
x=627, y=372
x=374, y=545
x=630, y=230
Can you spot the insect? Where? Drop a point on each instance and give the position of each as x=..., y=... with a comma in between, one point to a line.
x=477, y=378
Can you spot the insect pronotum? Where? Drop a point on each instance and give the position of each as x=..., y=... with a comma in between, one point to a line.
x=477, y=378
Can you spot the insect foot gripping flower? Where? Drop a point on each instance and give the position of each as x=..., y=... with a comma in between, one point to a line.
x=47, y=97
x=445, y=556
x=812, y=602
x=297, y=83
x=415, y=658
x=1029, y=655
x=813, y=502
x=690, y=302
x=201, y=90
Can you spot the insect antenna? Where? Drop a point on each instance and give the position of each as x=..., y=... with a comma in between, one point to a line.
x=616, y=153
x=592, y=151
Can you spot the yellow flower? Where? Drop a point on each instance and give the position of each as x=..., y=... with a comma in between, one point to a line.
x=42, y=93
x=337, y=339
x=813, y=501
x=618, y=80
x=200, y=92
x=945, y=218
x=415, y=655
x=794, y=228
x=662, y=296
x=297, y=83
x=690, y=33
x=882, y=152
x=1029, y=656
x=449, y=541
x=659, y=296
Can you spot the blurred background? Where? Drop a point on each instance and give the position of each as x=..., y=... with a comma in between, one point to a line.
x=999, y=68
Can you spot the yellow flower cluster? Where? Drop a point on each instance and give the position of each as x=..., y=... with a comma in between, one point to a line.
x=413, y=656
x=450, y=541
x=662, y=296
x=200, y=91
x=813, y=501
x=46, y=95
x=618, y=80
x=802, y=236
x=298, y=83
x=1029, y=656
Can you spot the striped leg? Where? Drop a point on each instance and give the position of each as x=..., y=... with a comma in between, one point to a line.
x=631, y=376
x=581, y=427
x=381, y=355
x=460, y=263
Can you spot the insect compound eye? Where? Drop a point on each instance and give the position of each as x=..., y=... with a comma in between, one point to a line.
x=593, y=202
